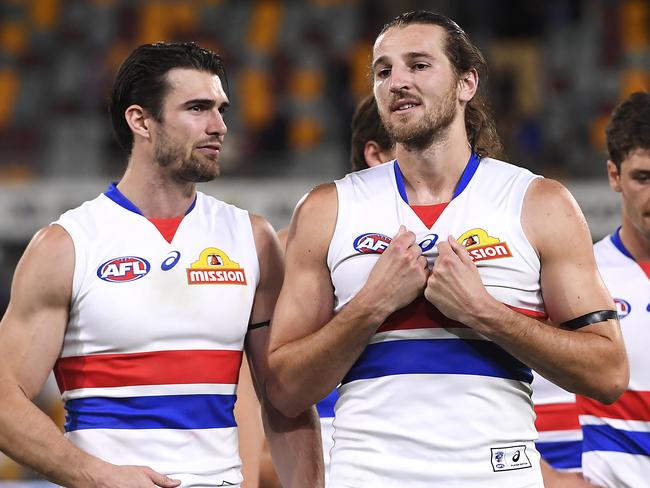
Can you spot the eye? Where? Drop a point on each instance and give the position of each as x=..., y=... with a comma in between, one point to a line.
x=196, y=108
x=383, y=73
x=224, y=108
x=420, y=66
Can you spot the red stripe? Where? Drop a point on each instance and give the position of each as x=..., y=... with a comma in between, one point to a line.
x=557, y=416
x=420, y=314
x=632, y=405
x=148, y=368
x=645, y=266
x=530, y=313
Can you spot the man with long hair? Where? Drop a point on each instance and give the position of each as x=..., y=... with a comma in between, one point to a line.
x=430, y=286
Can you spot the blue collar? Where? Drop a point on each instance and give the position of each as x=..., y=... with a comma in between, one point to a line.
x=468, y=173
x=618, y=243
x=118, y=197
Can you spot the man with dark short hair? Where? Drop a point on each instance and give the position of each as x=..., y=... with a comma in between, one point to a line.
x=143, y=301
x=430, y=286
x=616, y=437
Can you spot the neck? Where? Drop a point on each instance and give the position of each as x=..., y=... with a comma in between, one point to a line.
x=432, y=173
x=153, y=191
x=635, y=242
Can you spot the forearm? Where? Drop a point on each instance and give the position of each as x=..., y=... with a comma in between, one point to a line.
x=304, y=371
x=584, y=361
x=296, y=447
x=30, y=437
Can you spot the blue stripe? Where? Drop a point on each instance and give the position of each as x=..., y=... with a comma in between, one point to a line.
x=151, y=412
x=618, y=243
x=326, y=406
x=437, y=356
x=466, y=177
x=470, y=169
x=561, y=454
x=606, y=438
x=118, y=197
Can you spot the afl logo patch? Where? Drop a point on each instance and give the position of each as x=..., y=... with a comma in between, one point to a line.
x=126, y=268
x=371, y=243
x=622, y=307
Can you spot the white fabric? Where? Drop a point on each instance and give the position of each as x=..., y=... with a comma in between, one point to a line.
x=435, y=429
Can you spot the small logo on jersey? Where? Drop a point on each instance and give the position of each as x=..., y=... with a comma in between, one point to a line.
x=170, y=261
x=126, y=268
x=482, y=246
x=214, y=267
x=622, y=307
x=509, y=458
x=371, y=243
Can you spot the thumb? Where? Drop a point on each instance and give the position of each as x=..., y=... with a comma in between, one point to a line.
x=161, y=479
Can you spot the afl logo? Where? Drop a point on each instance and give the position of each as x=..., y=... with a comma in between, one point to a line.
x=371, y=243
x=622, y=307
x=126, y=268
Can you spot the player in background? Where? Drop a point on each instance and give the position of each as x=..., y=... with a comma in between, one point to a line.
x=423, y=287
x=616, y=437
x=143, y=300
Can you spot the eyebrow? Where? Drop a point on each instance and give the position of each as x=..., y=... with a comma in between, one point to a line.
x=409, y=56
x=206, y=102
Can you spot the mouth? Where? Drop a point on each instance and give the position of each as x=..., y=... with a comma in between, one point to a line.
x=209, y=149
x=404, y=105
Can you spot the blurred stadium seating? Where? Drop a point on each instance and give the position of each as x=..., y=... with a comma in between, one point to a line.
x=296, y=71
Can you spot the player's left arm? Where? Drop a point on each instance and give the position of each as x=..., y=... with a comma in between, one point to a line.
x=294, y=442
x=589, y=360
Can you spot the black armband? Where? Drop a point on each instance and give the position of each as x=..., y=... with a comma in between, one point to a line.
x=258, y=325
x=588, y=319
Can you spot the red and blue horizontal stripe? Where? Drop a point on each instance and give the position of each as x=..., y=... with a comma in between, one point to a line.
x=174, y=411
x=558, y=418
x=433, y=356
x=631, y=406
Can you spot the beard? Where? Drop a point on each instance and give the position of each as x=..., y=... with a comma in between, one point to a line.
x=428, y=129
x=190, y=168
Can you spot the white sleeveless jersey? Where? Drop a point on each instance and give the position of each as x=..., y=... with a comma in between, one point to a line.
x=617, y=437
x=430, y=402
x=560, y=436
x=152, y=350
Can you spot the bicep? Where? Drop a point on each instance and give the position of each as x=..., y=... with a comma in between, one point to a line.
x=306, y=300
x=570, y=282
x=34, y=324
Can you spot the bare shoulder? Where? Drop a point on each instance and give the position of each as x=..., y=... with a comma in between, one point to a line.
x=262, y=229
x=50, y=254
x=550, y=213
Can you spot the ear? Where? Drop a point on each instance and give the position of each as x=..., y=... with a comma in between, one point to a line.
x=467, y=85
x=372, y=154
x=138, y=121
x=614, y=176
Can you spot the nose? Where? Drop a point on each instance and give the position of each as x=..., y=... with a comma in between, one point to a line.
x=400, y=79
x=216, y=124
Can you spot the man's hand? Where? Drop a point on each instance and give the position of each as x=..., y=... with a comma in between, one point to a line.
x=113, y=476
x=400, y=274
x=454, y=286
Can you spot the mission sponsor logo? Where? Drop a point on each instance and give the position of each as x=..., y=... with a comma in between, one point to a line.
x=123, y=269
x=482, y=246
x=623, y=307
x=214, y=267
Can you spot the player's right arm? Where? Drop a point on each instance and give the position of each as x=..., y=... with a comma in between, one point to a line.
x=311, y=349
x=31, y=337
